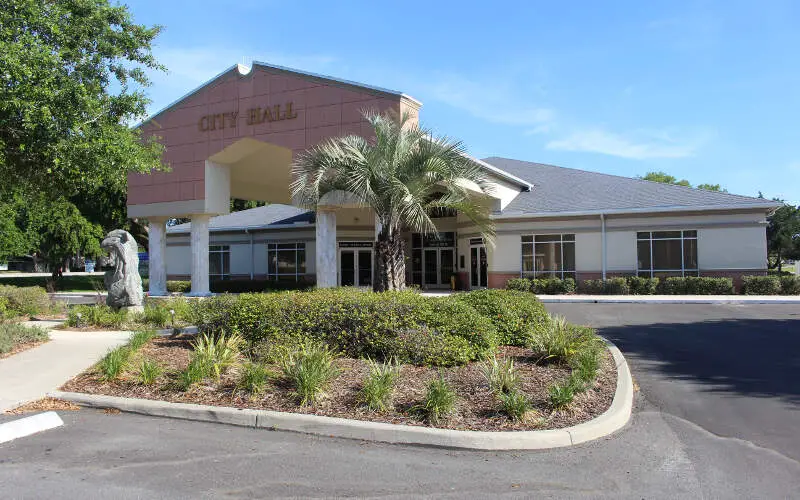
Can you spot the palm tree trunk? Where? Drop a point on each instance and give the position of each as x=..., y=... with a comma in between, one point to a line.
x=390, y=263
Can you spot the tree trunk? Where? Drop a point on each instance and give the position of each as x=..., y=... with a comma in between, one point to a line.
x=390, y=262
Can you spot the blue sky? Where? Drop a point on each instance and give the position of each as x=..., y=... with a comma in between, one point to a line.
x=707, y=91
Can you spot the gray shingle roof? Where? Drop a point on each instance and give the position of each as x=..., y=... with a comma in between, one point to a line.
x=559, y=190
x=254, y=218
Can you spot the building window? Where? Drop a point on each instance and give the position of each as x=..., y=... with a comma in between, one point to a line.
x=548, y=256
x=666, y=253
x=219, y=262
x=286, y=261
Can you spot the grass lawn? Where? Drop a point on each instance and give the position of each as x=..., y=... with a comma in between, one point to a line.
x=66, y=284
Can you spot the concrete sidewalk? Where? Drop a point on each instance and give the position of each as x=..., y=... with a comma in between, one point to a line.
x=31, y=374
x=671, y=299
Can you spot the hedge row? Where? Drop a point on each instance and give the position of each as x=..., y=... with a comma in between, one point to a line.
x=23, y=301
x=771, y=285
x=634, y=285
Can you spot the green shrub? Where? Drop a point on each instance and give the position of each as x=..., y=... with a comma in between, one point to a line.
x=140, y=338
x=114, y=362
x=310, y=371
x=253, y=378
x=439, y=402
x=148, y=372
x=515, y=404
x=585, y=365
x=180, y=306
x=502, y=376
x=5, y=309
x=14, y=334
x=642, y=286
x=376, y=392
x=611, y=286
x=197, y=370
x=25, y=301
x=515, y=315
x=562, y=341
x=99, y=315
x=761, y=285
x=561, y=394
x=155, y=316
x=693, y=285
x=404, y=325
x=552, y=286
x=790, y=285
x=519, y=284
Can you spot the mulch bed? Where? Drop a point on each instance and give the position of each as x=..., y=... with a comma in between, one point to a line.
x=477, y=407
x=44, y=404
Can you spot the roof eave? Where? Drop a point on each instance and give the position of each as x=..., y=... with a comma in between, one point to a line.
x=623, y=211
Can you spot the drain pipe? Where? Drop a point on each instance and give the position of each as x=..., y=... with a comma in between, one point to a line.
x=603, y=243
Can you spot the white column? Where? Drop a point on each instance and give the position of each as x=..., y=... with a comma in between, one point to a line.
x=326, y=248
x=200, y=286
x=157, y=255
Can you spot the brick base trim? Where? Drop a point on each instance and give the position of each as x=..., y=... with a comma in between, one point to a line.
x=499, y=280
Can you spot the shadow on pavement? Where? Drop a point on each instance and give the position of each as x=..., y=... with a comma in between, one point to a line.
x=754, y=357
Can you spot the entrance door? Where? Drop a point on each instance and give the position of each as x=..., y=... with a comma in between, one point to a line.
x=430, y=266
x=447, y=262
x=478, y=267
x=355, y=267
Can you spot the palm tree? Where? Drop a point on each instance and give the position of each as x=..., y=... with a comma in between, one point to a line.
x=403, y=174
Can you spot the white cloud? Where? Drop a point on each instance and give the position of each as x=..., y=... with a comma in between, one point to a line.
x=491, y=101
x=637, y=146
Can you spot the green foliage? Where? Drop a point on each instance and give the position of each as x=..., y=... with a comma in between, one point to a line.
x=140, y=338
x=148, y=372
x=693, y=285
x=114, y=362
x=502, y=376
x=761, y=285
x=515, y=315
x=194, y=373
x=65, y=283
x=73, y=74
x=403, y=325
x=376, y=392
x=157, y=316
x=309, y=371
x=404, y=175
x=783, y=235
x=5, y=310
x=562, y=341
x=218, y=353
x=14, y=334
x=664, y=178
x=99, y=315
x=439, y=402
x=790, y=285
x=585, y=365
x=253, y=378
x=25, y=301
x=552, y=286
x=519, y=284
x=611, y=286
x=515, y=404
x=642, y=286
x=561, y=394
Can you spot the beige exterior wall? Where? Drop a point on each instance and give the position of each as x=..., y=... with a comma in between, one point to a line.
x=732, y=248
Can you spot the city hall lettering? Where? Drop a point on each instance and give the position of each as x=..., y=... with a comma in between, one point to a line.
x=255, y=116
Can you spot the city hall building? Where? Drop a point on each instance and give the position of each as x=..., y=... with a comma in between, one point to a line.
x=236, y=136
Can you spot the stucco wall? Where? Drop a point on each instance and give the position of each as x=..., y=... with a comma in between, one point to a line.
x=732, y=248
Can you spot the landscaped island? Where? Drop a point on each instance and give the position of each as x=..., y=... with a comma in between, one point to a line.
x=484, y=360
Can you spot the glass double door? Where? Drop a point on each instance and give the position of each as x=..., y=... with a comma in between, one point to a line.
x=438, y=266
x=355, y=267
x=479, y=267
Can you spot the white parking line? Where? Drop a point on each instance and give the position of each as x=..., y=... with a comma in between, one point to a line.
x=29, y=425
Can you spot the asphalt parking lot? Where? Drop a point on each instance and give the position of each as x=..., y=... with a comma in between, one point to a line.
x=717, y=417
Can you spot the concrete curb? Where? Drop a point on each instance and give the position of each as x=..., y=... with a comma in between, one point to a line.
x=612, y=420
x=668, y=299
x=26, y=426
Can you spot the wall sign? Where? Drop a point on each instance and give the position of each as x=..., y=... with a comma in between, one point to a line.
x=255, y=116
x=356, y=244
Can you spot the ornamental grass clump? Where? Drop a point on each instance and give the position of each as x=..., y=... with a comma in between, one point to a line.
x=561, y=394
x=310, y=370
x=502, y=376
x=376, y=393
x=155, y=316
x=217, y=354
x=560, y=341
x=515, y=404
x=253, y=378
x=439, y=402
x=114, y=363
x=197, y=371
x=140, y=338
x=585, y=365
x=148, y=372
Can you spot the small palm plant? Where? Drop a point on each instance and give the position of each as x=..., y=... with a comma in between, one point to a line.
x=404, y=174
